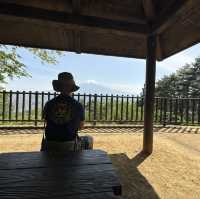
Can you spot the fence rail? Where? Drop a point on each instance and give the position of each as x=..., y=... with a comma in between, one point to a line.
x=26, y=107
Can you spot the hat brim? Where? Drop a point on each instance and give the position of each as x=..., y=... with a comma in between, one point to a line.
x=58, y=86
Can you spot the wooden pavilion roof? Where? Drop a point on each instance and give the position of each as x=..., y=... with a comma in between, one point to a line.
x=106, y=27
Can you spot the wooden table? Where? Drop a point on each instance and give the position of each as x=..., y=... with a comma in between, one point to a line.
x=86, y=174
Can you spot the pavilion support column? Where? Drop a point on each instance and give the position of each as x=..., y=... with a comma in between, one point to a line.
x=149, y=94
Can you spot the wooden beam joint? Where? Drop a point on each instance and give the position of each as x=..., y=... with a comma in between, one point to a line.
x=166, y=18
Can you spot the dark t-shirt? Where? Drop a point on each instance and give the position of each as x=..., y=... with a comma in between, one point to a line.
x=63, y=115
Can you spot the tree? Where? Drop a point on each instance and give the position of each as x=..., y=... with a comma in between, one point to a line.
x=11, y=64
x=185, y=82
x=167, y=86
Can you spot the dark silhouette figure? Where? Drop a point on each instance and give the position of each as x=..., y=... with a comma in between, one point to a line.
x=64, y=116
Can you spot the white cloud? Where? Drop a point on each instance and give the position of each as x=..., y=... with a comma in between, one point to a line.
x=175, y=62
x=129, y=88
x=91, y=81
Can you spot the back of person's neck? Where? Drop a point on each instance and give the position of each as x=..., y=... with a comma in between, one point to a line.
x=65, y=94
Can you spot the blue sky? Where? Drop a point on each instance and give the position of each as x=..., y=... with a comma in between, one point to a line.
x=124, y=74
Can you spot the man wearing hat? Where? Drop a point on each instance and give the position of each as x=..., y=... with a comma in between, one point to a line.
x=64, y=116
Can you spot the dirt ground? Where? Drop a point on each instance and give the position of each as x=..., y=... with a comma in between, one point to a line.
x=172, y=171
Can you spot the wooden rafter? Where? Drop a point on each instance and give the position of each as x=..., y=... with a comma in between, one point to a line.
x=149, y=10
x=167, y=17
x=76, y=5
x=74, y=21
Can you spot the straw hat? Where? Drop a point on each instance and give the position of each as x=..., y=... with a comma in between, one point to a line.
x=65, y=82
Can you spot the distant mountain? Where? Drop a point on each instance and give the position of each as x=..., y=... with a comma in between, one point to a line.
x=93, y=88
x=88, y=88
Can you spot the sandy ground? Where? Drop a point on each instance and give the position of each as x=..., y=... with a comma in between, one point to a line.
x=172, y=171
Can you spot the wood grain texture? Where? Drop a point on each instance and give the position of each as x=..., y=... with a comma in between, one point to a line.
x=56, y=175
x=43, y=159
x=58, y=181
x=114, y=25
x=103, y=195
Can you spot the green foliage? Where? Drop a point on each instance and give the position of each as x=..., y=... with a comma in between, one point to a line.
x=11, y=64
x=185, y=82
x=46, y=56
x=167, y=86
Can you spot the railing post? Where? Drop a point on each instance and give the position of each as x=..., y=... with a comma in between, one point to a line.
x=161, y=110
x=23, y=104
x=42, y=105
x=10, y=105
x=78, y=97
x=182, y=110
x=170, y=111
x=111, y=108
x=198, y=116
x=165, y=111
x=29, y=106
x=193, y=110
x=117, y=105
x=90, y=107
x=132, y=106
x=127, y=103
x=136, y=115
x=4, y=105
x=95, y=109
x=101, y=106
x=17, y=105
x=106, y=116
x=187, y=110
x=36, y=107
x=156, y=111
x=142, y=108
x=122, y=108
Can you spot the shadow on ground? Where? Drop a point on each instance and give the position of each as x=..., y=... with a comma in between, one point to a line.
x=134, y=184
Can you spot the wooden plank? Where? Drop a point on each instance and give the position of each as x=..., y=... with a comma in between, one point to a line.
x=73, y=21
x=149, y=10
x=105, y=195
x=58, y=182
x=127, y=10
x=166, y=18
x=76, y=6
x=22, y=160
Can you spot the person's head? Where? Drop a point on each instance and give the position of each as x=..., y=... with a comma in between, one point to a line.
x=65, y=83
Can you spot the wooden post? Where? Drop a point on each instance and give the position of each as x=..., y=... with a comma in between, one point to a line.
x=149, y=94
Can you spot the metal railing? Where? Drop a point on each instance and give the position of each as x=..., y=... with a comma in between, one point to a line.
x=26, y=107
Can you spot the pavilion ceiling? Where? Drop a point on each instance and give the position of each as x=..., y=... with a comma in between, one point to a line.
x=106, y=27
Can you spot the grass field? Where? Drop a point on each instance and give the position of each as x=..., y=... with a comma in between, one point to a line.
x=172, y=171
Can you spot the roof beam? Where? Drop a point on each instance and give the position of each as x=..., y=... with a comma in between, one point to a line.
x=76, y=6
x=167, y=17
x=149, y=10
x=73, y=21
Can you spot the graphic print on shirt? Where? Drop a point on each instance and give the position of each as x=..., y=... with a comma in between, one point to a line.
x=61, y=113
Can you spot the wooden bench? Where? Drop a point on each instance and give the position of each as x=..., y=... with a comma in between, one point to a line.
x=105, y=195
x=45, y=175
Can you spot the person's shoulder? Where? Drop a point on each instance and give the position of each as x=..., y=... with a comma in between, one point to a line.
x=52, y=100
x=77, y=103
